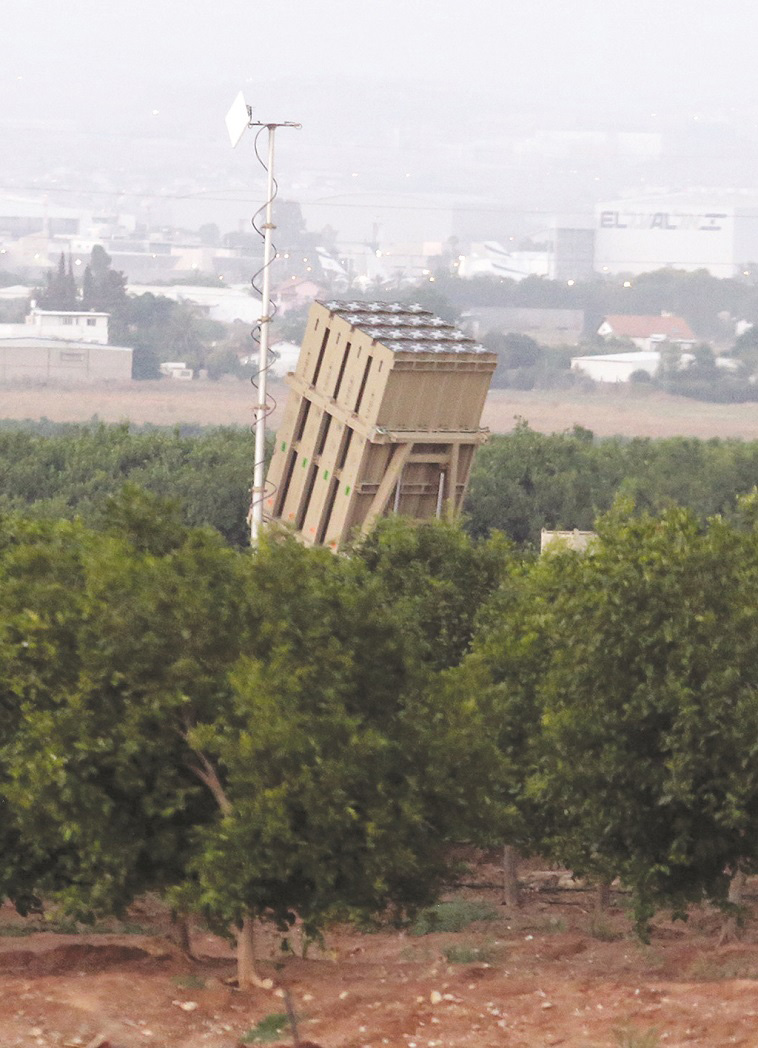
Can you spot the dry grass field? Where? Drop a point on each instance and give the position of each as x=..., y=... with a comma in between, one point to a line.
x=623, y=410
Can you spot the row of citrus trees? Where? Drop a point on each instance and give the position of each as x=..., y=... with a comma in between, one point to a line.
x=290, y=735
x=521, y=482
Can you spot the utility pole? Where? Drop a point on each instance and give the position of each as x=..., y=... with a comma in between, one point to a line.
x=238, y=120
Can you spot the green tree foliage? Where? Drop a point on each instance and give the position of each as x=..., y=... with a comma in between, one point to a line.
x=525, y=364
x=96, y=764
x=61, y=291
x=436, y=577
x=745, y=349
x=160, y=329
x=526, y=481
x=76, y=468
x=156, y=328
x=649, y=707
x=252, y=735
x=698, y=296
x=502, y=677
x=340, y=782
x=617, y=689
x=104, y=290
x=520, y=483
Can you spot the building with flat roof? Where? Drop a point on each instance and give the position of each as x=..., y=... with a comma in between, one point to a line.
x=37, y=359
x=69, y=325
x=383, y=417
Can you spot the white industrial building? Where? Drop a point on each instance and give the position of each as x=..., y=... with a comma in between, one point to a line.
x=58, y=361
x=68, y=324
x=226, y=304
x=617, y=367
x=62, y=346
x=682, y=231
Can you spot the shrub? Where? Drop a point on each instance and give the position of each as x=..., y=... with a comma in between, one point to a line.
x=452, y=917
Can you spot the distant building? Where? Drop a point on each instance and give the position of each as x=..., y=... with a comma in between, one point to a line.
x=572, y=254
x=647, y=331
x=493, y=260
x=549, y=326
x=65, y=324
x=617, y=367
x=176, y=369
x=38, y=359
x=294, y=294
x=687, y=231
x=69, y=325
x=225, y=304
x=574, y=540
x=62, y=346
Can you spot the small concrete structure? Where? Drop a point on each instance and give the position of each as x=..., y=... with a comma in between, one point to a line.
x=574, y=540
x=176, y=369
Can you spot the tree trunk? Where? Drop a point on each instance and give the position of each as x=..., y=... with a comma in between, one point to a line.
x=603, y=896
x=180, y=922
x=511, y=890
x=737, y=887
x=296, y=1042
x=180, y=934
x=731, y=928
x=247, y=976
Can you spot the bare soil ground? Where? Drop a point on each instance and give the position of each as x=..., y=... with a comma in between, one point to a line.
x=552, y=973
x=625, y=410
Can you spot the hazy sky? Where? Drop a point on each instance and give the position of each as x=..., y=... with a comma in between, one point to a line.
x=86, y=58
x=371, y=81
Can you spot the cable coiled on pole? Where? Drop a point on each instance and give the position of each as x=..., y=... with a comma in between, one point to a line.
x=255, y=333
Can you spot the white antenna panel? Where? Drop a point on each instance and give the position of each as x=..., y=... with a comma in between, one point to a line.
x=237, y=119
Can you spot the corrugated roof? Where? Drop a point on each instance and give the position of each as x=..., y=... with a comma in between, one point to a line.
x=405, y=329
x=630, y=326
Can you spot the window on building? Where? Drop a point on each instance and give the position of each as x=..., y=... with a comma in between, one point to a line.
x=91, y=322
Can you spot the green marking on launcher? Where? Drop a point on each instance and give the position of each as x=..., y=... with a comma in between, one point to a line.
x=305, y=463
x=326, y=474
x=347, y=490
x=284, y=445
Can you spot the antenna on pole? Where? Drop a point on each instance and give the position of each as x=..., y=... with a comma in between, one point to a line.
x=238, y=120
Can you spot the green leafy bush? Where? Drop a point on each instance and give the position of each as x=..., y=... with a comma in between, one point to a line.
x=452, y=917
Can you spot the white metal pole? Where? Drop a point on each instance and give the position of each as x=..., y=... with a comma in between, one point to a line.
x=259, y=478
x=440, y=494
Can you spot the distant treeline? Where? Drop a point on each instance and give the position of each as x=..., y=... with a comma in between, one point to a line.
x=521, y=482
x=526, y=480
x=71, y=470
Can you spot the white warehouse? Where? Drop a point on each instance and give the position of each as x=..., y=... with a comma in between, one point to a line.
x=681, y=231
x=617, y=367
x=62, y=347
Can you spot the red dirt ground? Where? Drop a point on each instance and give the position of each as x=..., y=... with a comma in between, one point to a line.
x=552, y=973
